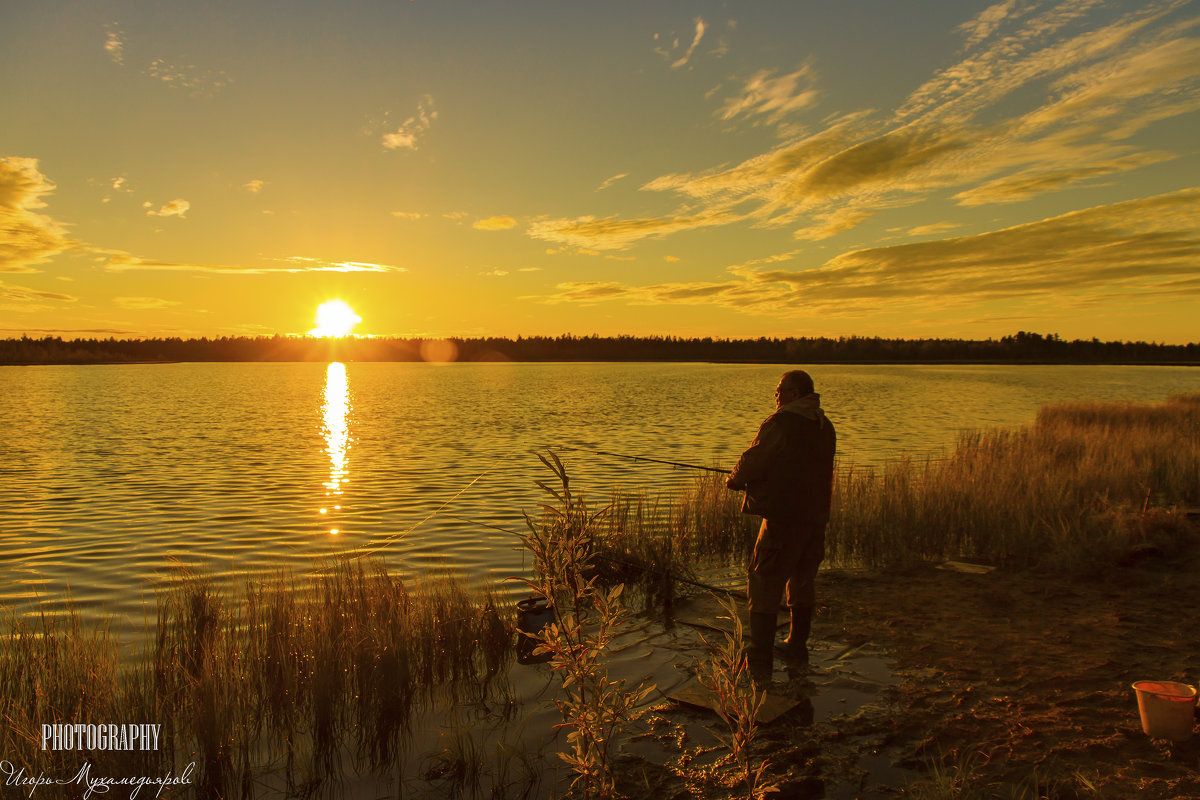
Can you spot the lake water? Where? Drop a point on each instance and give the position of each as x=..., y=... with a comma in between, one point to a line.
x=112, y=474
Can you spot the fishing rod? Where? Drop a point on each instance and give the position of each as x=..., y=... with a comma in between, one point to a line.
x=359, y=552
x=644, y=458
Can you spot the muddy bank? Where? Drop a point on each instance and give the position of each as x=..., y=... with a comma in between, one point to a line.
x=1007, y=681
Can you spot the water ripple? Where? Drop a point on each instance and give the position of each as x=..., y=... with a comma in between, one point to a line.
x=116, y=477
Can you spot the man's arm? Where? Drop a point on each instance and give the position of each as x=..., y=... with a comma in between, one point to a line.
x=755, y=462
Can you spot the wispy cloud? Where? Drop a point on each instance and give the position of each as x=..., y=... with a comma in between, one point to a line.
x=615, y=234
x=255, y=186
x=1136, y=249
x=502, y=223
x=610, y=181
x=672, y=51
x=176, y=208
x=409, y=215
x=933, y=228
x=408, y=135
x=26, y=236
x=143, y=303
x=25, y=295
x=989, y=20
x=696, y=37
x=120, y=261
x=114, y=43
x=189, y=78
x=1022, y=186
x=772, y=96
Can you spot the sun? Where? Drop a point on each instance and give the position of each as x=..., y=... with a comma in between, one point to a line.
x=335, y=318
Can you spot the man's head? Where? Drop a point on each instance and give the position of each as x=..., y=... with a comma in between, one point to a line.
x=793, y=385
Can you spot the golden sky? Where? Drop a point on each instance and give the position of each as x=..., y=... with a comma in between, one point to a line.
x=913, y=169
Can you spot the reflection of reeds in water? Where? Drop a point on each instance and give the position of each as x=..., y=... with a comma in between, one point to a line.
x=1081, y=486
x=292, y=681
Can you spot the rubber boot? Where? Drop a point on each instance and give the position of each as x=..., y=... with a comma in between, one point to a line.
x=762, y=644
x=796, y=645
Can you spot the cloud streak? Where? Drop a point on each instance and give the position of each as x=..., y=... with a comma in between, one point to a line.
x=696, y=37
x=143, y=303
x=27, y=237
x=1039, y=100
x=772, y=97
x=1136, y=249
x=188, y=78
x=501, y=223
x=23, y=294
x=591, y=233
x=176, y=208
x=119, y=261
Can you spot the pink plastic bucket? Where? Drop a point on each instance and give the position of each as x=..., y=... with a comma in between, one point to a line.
x=1167, y=709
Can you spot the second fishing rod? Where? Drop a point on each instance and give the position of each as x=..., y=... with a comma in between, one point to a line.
x=644, y=458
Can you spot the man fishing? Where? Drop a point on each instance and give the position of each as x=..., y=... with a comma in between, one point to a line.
x=787, y=474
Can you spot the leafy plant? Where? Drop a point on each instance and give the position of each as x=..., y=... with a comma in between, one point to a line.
x=738, y=701
x=588, y=617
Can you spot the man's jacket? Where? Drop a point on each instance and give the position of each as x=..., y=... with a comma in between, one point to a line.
x=788, y=469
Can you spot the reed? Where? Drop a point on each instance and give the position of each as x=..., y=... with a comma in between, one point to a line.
x=650, y=543
x=1079, y=488
x=54, y=671
x=289, y=679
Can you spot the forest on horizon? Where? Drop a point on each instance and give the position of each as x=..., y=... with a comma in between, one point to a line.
x=1022, y=347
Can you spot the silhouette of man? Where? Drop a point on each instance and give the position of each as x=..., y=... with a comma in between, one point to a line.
x=787, y=474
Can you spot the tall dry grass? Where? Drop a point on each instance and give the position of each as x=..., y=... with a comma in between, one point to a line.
x=1078, y=488
x=1082, y=487
x=286, y=682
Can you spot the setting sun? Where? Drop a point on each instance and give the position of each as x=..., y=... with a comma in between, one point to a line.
x=334, y=318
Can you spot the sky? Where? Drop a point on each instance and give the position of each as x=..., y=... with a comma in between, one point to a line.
x=900, y=169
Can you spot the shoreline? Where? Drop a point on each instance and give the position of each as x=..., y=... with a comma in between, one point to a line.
x=845, y=363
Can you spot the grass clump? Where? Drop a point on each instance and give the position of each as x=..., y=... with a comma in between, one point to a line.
x=653, y=543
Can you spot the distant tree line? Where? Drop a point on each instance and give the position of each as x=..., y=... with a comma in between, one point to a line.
x=1021, y=347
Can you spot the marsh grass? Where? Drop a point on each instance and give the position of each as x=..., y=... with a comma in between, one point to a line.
x=1078, y=489
x=287, y=679
x=52, y=670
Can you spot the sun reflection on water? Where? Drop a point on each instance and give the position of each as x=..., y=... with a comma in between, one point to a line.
x=337, y=430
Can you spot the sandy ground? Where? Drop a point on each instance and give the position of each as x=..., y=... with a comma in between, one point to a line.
x=1012, y=681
